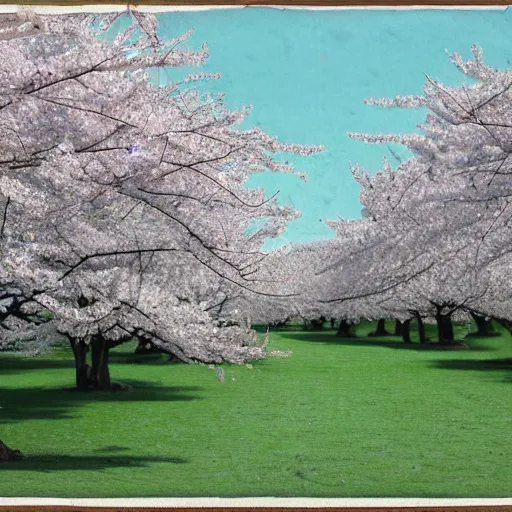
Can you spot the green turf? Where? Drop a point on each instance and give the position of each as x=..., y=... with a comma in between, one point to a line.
x=358, y=417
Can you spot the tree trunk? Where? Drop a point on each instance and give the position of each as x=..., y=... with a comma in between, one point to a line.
x=100, y=374
x=317, y=324
x=144, y=347
x=381, y=329
x=80, y=350
x=405, y=331
x=398, y=328
x=483, y=325
x=421, y=328
x=444, y=328
x=333, y=320
x=344, y=330
x=6, y=454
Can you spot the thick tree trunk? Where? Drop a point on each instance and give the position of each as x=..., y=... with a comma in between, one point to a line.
x=421, y=328
x=6, y=454
x=344, y=330
x=483, y=325
x=80, y=350
x=444, y=328
x=381, y=329
x=100, y=374
x=398, y=328
x=405, y=331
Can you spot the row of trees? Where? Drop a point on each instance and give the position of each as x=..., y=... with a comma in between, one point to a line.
x=435, y=241
x=125, y=212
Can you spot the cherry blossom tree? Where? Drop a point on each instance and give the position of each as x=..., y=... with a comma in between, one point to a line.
x=125, y=208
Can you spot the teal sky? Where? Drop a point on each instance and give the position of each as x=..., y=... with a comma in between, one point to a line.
x=307, y=73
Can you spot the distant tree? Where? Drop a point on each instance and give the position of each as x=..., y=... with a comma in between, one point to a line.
x=381, y=328
x=405, y=332
x=315, y=324
x=345, y=330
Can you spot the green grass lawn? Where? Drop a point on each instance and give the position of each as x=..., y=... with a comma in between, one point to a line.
x=346, y=418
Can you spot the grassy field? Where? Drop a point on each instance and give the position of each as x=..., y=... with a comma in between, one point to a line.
x=357, y=417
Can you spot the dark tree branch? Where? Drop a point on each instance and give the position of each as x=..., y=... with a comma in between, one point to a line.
x=111, y=253
x=4, y=217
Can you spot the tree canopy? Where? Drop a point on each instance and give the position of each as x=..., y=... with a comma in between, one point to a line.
x=125, y=211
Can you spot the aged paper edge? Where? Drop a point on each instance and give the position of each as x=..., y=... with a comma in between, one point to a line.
x=102, y=8
x=246, y=502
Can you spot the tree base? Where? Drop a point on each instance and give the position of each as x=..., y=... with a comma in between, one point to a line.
x=6, y=454
x=483, y=335
x=119, y=386
x=448, y=345
x=345, y=335
x=379, y=334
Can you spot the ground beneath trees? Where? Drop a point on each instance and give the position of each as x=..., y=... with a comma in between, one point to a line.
x=340, y=417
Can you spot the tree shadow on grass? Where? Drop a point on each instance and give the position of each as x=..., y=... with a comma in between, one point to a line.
x=21, y=404
x=11, y=364
x=112, y=449
x=394, y=342
x=55, y=462
x=503, y=366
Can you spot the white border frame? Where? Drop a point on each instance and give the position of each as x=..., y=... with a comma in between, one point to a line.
x=257, y=502
x=245, y=502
